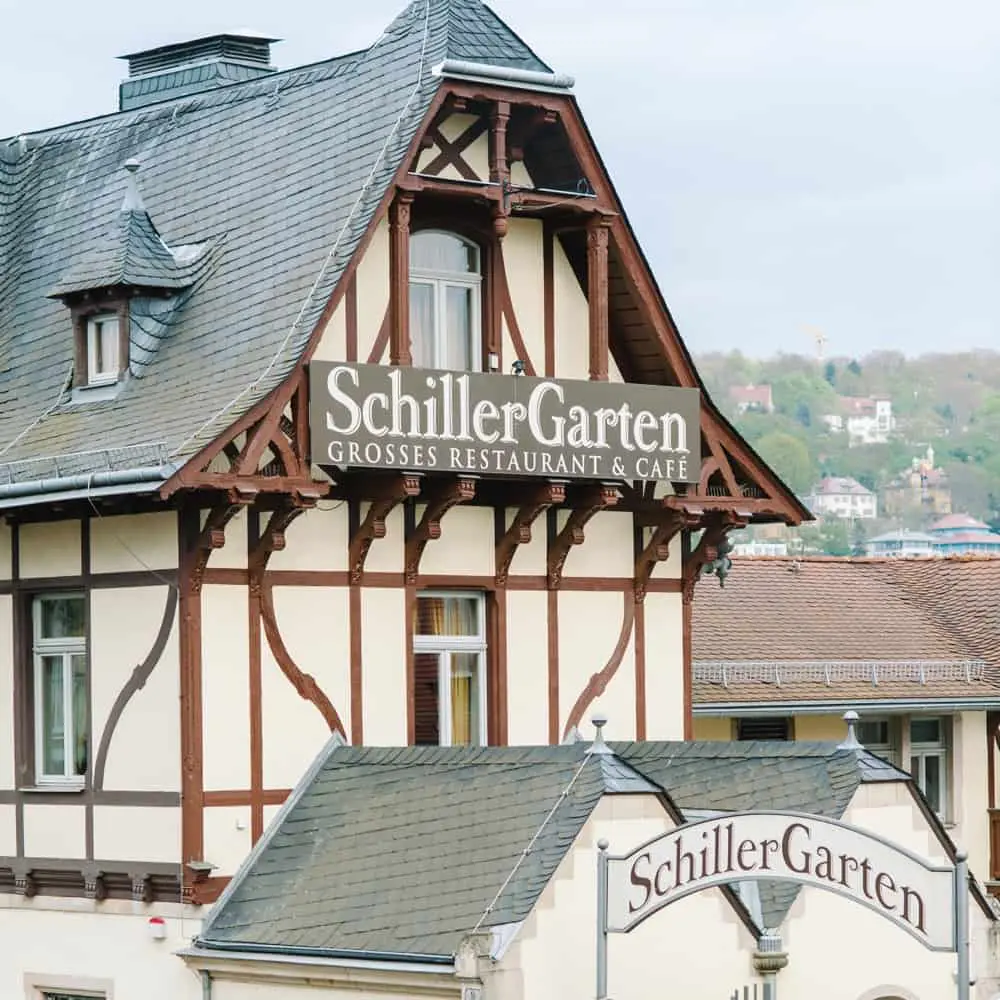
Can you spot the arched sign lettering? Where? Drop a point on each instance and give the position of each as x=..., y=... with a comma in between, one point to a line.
x=810, y=850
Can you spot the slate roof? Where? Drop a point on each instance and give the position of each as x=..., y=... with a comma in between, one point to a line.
x=402, y=851
x=844, y=631
x=284, y=174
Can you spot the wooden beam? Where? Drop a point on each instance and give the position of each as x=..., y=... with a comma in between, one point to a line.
x=596, y=499
x=399, y=280
x=519, y=532
x=442, y=496
x=597, y=297
x=657, y=549
x=392, y=492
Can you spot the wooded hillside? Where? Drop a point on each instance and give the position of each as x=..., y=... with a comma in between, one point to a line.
x=949, y=401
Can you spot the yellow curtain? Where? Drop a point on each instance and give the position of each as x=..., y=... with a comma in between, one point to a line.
x=461, y=709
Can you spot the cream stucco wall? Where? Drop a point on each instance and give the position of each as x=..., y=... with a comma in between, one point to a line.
x=607, y=550
x=373, y=290
x=137, y=833
x=332, y=344
x=466, y=544
x=227, y=837
x=233, y=555
x=384, y=671
x=572, y=320
x=50, y=548
x=288, y=985
x=386, y=554
x=133, y=542
x=144, y=752
x=314, y=625
x=708, y=727
x=77, y=942
x=54, y=831
x=527, y=668
x=522, y=254
x=316, y=540
x=225, y=688
x=8, y=831
x=970, y=793
x=6, y=691
x=678, y=953
x=664, y=616
x=590, y=626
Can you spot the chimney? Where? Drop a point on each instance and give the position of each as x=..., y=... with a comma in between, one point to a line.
x=193, y=67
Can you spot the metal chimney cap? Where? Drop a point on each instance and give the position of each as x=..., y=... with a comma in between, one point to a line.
x=132, y=164
x=851, y=742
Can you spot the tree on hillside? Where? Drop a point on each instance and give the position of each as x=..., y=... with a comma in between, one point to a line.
x=789, y=457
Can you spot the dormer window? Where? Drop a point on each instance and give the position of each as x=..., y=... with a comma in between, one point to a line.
x=103, y=349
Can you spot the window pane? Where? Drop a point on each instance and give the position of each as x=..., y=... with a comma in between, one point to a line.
x=443, y=252
x=458, y=328
x=422, y=324
x=426, y=701
x=62, y=618
x=81, y=737
x=925, y=731
x=875, y=732
x=447, y=616
x=931, y=785
x=465, y=723
x=53, y=722
x=107, y=350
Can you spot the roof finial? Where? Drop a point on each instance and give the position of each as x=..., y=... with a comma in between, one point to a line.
x=133, y=200
x=599, y=746
x=851, y=743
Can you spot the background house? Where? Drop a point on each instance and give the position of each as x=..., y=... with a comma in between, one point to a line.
x=923, y=488
x=790, y=644
x=752, y=398
x=865, y=420
x=842, y=496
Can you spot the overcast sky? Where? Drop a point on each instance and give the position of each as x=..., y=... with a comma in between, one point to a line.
x=789, y=165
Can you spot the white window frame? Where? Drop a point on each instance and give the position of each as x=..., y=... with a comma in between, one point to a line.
x=67, y=648
x=95, y=375
x=889, y=751
x=921, y=751
x=440, y=281
x=38, y=987
x=444, y=646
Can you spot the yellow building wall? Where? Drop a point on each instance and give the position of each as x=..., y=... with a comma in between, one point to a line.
x=818, y=727
x=710, y=727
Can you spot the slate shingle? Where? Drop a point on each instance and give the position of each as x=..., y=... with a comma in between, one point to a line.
x=283, y=173
x=403, y=850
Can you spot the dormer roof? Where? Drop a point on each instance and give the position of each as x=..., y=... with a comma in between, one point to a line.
x=132, y=254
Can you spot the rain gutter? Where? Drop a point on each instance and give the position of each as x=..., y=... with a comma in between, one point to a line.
x=86, y=484
x=339, y=957
x=761, y=708
x=527, y=79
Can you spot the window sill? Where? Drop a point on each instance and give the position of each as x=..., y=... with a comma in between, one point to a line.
x=61, y=788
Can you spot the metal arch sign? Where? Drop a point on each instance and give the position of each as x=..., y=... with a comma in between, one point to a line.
x=810, y=850
x=930, y=902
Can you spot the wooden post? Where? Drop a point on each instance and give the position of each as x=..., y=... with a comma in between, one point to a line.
x=597, y=294
x=399, y=280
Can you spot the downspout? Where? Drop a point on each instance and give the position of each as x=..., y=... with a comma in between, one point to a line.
x=768, y=960
x=206, y=985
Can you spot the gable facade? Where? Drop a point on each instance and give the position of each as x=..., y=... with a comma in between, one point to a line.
x=191, y=599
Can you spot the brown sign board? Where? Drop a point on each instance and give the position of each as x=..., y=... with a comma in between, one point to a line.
x=419, y=419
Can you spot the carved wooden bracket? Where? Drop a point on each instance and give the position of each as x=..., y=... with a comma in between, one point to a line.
x=596, y=499
x=24, y=881
x=519, y=532
x=443, y=495
x=395, y=491
x=94, y=886
x=706, y=551
x=272, y=538
x=142, y=887
x=213, y=534
x=658, y=548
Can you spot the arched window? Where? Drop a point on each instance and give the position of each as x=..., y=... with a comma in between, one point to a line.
x=445, y=307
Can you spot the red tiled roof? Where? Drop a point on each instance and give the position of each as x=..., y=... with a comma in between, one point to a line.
x=951, y=522
x=881, y=618
x=751, y=394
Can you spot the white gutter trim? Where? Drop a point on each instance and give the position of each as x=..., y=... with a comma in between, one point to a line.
x=755, y=708
x=201, y=957
x=510, y=76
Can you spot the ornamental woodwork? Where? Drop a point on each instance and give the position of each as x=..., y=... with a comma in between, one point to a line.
x=657, y=549
x=442, y=496
x=597, y=296
x=24, y=882
x=94, y=886
x=519, y=532
x=707, y=550
x=595, y=499
x=272, y=538
x=142, y=888
x=386, y=497
x=399, y=279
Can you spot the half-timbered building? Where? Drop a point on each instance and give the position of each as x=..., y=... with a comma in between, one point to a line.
x=193, y=594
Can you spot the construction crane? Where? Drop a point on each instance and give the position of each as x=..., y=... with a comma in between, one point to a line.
x=820, y=338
